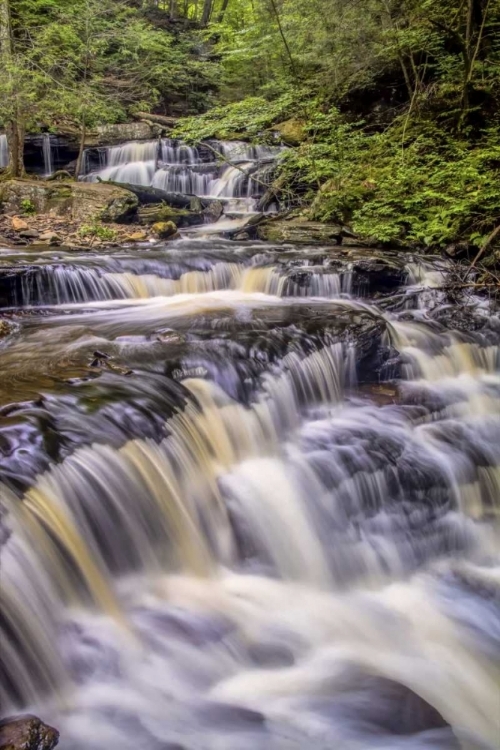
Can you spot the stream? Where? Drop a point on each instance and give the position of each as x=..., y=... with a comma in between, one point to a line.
x=250, y=497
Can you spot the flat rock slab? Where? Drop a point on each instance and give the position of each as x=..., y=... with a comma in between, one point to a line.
x=79, y=201
x=300, y=231
x=27, y=733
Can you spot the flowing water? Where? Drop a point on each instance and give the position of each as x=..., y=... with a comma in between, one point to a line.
x=48, y=164
x=250, y=498
x=4, y=151
x=216, y=169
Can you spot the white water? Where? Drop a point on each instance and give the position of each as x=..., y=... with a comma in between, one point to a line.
x=225, y=169
x=306, y=569
x=48, y=165
x=4, y=151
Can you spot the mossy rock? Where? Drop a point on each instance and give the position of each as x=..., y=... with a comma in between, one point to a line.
x=292, y=132
x=79, y=201
x=182, y=217
x=300, y=231
x=164, y=229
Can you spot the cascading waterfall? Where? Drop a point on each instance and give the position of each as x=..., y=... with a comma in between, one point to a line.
x=226, y=526
x=4, y=151
x=72, y=283
x=217, y=169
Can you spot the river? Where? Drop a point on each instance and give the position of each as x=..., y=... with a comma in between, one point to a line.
x=250, y=498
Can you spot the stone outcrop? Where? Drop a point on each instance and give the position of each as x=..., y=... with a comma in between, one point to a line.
x=110, y=135
x=27, y=733
x=80, y=201
x=300, y=231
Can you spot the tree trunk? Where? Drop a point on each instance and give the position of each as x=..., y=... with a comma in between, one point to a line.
x=222, y=11
x=207, y=12
x=14, y=126
x=169, y=122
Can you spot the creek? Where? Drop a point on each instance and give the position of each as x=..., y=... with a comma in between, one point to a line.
x=250, y=494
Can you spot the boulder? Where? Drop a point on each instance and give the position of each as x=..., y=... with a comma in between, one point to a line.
x=29, y=234
x=137, y=236
x=19, y=225
x=50, y=238
x=6, y=328
x=292, y=132
x=164, y=229
x=78, y=201
x=213, y=212
x=27, y=733
x=300, y=231
x=158, y=212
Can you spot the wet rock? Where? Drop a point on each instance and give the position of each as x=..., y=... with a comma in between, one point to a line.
x=248, y=230
x=231, y=716
x=213, y=212
x=157, y=212
x=19, y=225
x=29, y=234
x=80, y=201
x=300, y=231
x=27, y=733
x=195, y=204
x=164, y=229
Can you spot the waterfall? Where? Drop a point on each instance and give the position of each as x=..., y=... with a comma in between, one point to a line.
x=48, y=168
x=60, y=284
x=242, y=507
x=4, y=151
x=217, y=169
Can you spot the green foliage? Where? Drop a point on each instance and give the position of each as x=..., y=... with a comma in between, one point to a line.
x=249, y=117
x=400, y=100
x=27, y=206
x=97, y=231
x=96, y=61
x=431, y=192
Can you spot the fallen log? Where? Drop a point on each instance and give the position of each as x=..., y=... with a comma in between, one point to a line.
x=147, y=194
x=161, y=119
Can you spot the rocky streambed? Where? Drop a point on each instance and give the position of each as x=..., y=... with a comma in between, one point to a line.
x=249, y=494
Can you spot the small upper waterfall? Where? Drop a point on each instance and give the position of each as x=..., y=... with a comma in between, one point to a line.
x=219, y=169
x=4, y=151
x=48, y=164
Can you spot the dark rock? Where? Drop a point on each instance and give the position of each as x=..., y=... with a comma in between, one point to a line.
x=27, y=732
x=213, y=212
x=182, y=217
x=195, y=204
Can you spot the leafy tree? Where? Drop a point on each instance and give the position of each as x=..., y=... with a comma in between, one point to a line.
x=89, y=62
